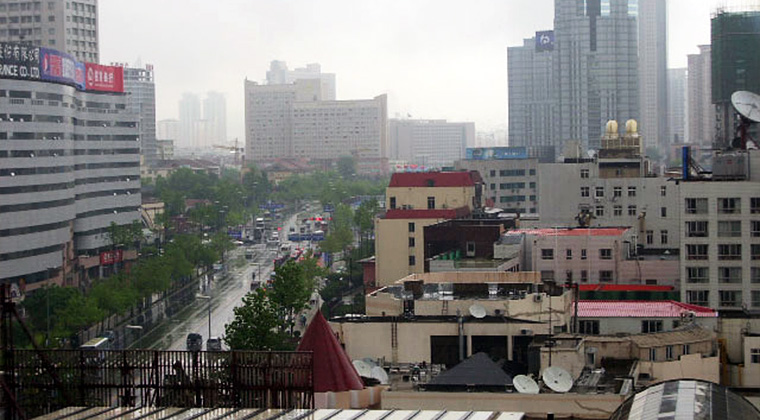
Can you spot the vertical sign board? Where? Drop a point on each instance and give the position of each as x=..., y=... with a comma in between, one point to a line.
x=56, y=66
x=104, y=78
x=19, y=61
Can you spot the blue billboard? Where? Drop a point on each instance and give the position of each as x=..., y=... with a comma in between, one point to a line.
x=56, y=66
x=496, y=153
x=544, y=41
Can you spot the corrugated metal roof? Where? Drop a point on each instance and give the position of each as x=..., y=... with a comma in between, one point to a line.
x=126, y=413
x=640, y=309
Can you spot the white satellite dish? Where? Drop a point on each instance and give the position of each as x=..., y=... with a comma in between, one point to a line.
x=525, y=384
x=380, y=374
x=747, y=104
x=477, y=311
x=363, y=368
x=557, y=379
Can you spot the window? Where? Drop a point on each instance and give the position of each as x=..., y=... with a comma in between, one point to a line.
x=651, y=326
x=663, y=190
x=755, y=299
x=650, y=237
x=492, y=173
x=547, y=254
x=568, y=254
x=729, y=229
x=393, y=202
x=632, y=210
x=729, y=205
x=584, y=276
x=653, y=354
x=605, y=254
x=584, y=191
x=729, y=252
x=599, y=192
x=411, y=227
x=669, y=352
x=651, y=282
x=533, y=185
x=696, y=229
x=663, y=212
x=599, y=211
x=696, y=251
x=412, y=260
x=431, y=203
x=754, y=355
x=411, y=242
x=664, y=237
x=569, y=277
x=532, y=172
x=583, y=254
x=685, y=349
x=493, y=186
x=729, y=274
x=730, y=298
x=754, y=275
x=754, y=252
x=617, y=210
x=51, y=18
x=588, y=326
x=754, y=205
x=631, y=191
x=584, y=173
x=698, y=297
x=754, y=228
x=697, y=274
x=547, y=275
x=617, y=192
x=605, y=276
x=696, y=206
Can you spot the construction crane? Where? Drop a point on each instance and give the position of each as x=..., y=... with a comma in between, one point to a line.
x=235, y=149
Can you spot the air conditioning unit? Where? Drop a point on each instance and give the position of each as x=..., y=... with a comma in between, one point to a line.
x=538, y=297
x=526, y=331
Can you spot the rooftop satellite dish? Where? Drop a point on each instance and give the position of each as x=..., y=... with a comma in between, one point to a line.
x=747, y=104
x=363, y=368
x=380, y=374
x=557, y=379
x=525, y=384
x=477, y=311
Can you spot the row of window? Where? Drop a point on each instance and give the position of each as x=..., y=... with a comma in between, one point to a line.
x=512, y=172
x=548, y=254
x=726, y=252
x=730, y=205
x=726, y=298
x=726, y=229
x=605, y=276
x=616, y=191
x=26, y=230
x=725, y=274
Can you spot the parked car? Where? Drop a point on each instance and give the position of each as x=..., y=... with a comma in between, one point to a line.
x=214, y=344
x=194, y=342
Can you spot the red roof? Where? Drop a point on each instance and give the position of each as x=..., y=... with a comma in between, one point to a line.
x=570, y=231
x=640, y=309
x=428, y=214
x=624, y=288
x=433, y=179
x=333, y=370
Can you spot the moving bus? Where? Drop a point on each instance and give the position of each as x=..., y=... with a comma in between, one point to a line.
x=98, y=343
x=259, y=223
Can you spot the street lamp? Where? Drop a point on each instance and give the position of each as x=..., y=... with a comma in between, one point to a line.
x=206, y=297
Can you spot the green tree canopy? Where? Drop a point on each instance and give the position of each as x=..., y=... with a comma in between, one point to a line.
x=256, y=325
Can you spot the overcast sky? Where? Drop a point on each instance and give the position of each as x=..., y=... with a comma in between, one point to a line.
x=434, y=58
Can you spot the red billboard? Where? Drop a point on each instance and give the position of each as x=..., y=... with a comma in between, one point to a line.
x=110, y=257
x=104, y=78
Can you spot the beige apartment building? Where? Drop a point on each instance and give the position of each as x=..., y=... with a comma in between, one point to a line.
x=413, y=201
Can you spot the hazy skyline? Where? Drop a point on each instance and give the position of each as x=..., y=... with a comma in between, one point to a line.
x=434, y=59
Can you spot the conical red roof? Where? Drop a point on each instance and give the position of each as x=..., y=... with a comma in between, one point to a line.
x=333, y=370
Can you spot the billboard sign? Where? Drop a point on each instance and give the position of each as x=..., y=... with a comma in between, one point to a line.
x=496, y=153
x=56, y=66
x=111, y=257
x=544, y=41
x=104, y=78
x=19, y=61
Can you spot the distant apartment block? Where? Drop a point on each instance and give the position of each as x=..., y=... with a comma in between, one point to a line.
x=653, y=71
x=699, y=110
x=279, y=74
x=429, y=143
x=70, y=26
x=677, y=106
x=215, y=115
x=141, y=100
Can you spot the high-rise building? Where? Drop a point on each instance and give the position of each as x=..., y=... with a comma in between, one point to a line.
x=735, y=38
x=290, y=121
x=70, y=26
x=69, y=167
x=676, y=106
x=653, y=65
x=189, y=113
x=700, y=112
x=215, y=114
x=168, y=130
x=431, y=143
x=595, y=66
x=279, y=74
x=533, y=102
x=141, y=100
